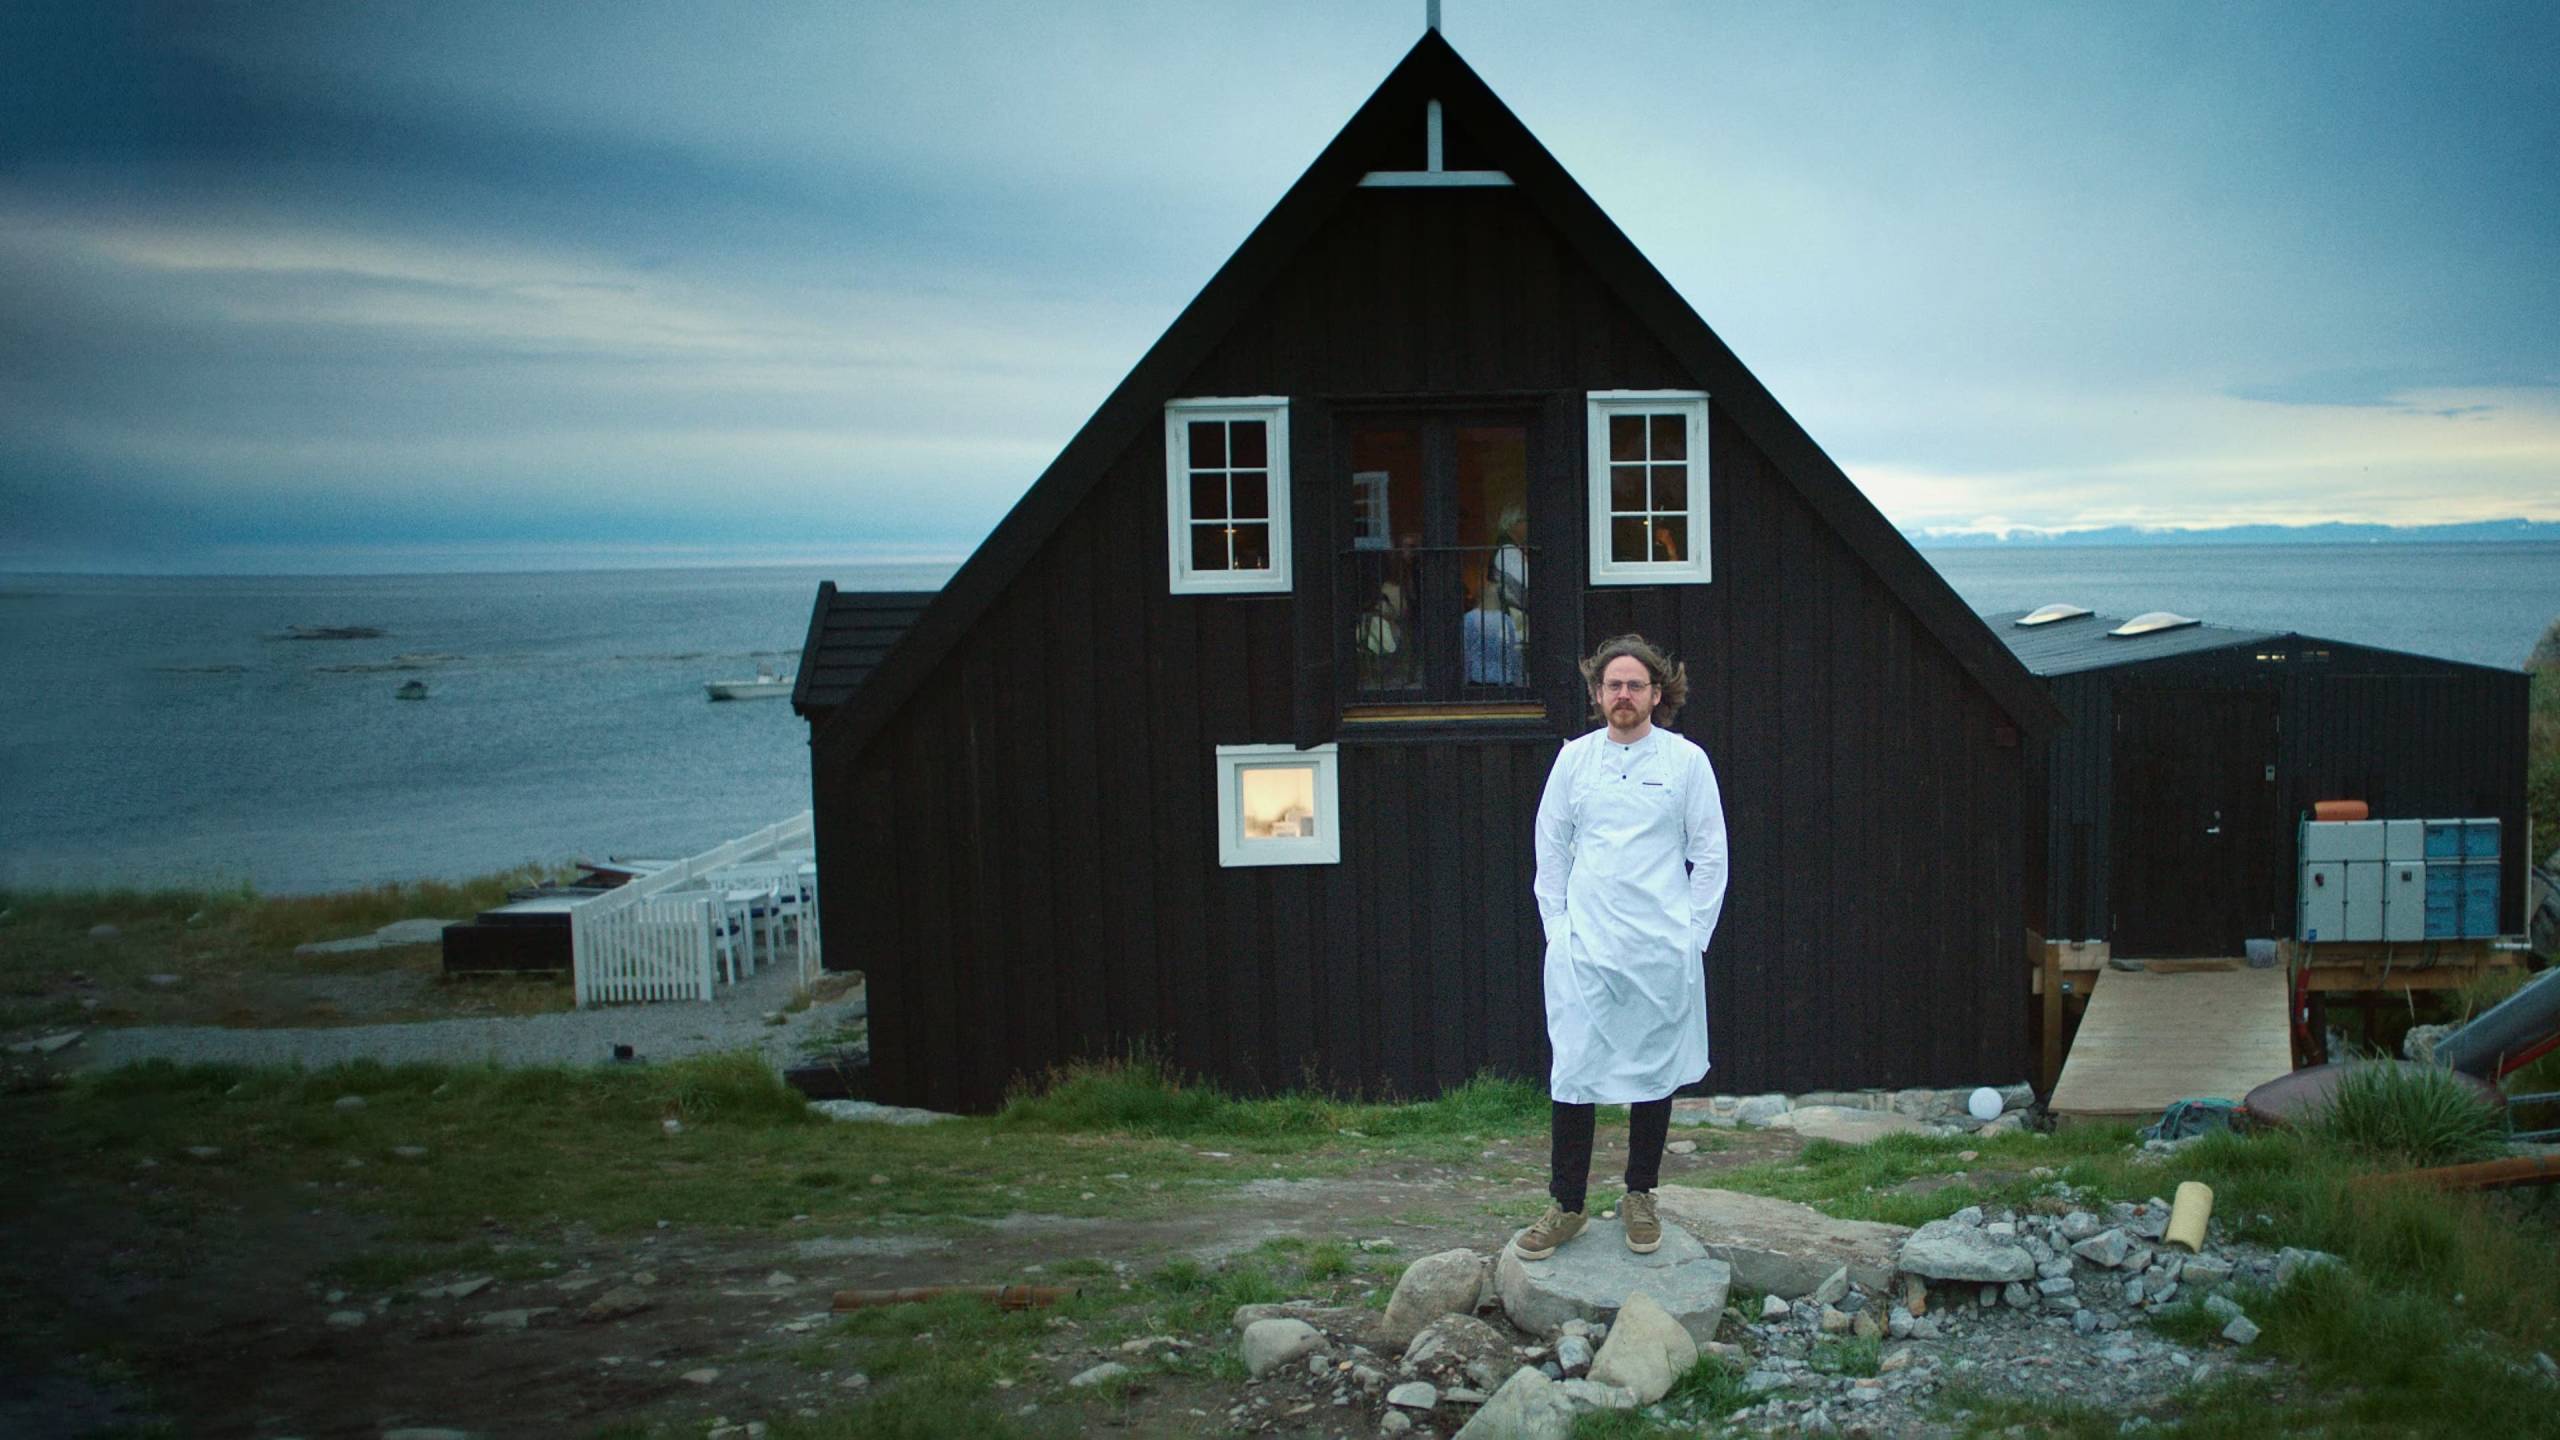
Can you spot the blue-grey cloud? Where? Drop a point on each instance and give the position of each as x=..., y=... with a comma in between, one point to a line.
x=304, y=272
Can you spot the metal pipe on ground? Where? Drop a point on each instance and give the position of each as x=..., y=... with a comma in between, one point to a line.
x=2484, y=1175
x=1005, y=1297
x=2508, y=1035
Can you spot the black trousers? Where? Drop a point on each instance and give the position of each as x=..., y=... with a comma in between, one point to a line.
x=1569, y=1129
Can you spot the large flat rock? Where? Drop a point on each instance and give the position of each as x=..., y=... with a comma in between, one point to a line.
x=1590, y=1276
x=1952, y=1250
x=1846, y=1125
x=1778, y=1246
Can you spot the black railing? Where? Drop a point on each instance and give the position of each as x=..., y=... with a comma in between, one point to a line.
x=1438, y=624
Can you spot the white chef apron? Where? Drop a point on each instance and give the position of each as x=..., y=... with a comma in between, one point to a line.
x=1626, y=987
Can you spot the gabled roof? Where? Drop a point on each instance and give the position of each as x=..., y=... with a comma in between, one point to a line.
x=1431, y=70
x=2066, y=647
x=850, y=631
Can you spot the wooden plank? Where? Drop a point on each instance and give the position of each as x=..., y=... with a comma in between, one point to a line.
x=2148, y=1040
x=2049, y=1058
x=1075, y=793
x=1439, y=958
x=1128, y=567
x=1025, y=832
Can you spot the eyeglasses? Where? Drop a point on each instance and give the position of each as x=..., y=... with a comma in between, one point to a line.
x=1625, y=687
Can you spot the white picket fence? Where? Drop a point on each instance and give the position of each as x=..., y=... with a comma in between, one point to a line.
x=656, y=938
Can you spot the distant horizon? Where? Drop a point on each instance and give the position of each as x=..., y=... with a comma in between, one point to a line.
x=299, y=287
x=365, y=562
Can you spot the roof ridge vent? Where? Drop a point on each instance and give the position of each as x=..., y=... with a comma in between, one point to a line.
x=2151, y=622
x=2047, y=614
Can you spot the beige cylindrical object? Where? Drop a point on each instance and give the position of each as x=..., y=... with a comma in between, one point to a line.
x=2187, y=1214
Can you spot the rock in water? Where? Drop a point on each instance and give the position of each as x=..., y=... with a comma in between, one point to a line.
x=1449, y=1283
x=1589, y=1279
x=1646, y=1350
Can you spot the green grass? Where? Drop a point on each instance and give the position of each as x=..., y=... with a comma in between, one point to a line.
x=1141, y=1095
x=1856, y=1182
x=1849, y=1356
x=2411, y=1251
x=1706, y=1393
x=2412, y=1117
x=219, y=943
x=934, y=1366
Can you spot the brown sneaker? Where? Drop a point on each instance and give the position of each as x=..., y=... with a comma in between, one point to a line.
x=1644, y=1228
x=1553, y=1229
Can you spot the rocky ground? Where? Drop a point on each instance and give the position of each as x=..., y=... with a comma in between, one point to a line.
x=2053, y=1301
x=258, y=1315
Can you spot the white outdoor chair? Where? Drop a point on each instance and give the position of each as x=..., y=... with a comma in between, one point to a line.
x=782, y=900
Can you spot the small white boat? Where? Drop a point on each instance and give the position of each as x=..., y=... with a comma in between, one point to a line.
x=765, y=686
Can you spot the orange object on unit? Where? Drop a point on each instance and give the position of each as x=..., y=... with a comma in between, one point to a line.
x=2340, y=810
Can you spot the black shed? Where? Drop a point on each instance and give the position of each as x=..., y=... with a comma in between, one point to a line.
x=1228, y=740
x=2193, y=750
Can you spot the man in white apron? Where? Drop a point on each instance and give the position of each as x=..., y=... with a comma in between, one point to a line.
x=1631, y=872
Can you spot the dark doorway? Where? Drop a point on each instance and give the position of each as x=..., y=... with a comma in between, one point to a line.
x=2196, y=843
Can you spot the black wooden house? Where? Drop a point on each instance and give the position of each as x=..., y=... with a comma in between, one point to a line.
x=1229, y=738
x=2193, y=751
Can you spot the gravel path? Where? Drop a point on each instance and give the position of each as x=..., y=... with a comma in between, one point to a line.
x=660, y=1031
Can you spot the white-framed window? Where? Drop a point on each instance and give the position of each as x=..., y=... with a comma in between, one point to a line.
x=1226, y=472
x=1279, y=805
x=1648, y=482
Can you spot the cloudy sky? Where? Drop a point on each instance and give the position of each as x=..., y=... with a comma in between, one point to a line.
x=385, y=285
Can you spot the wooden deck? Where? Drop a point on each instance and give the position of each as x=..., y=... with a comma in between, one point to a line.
x=2150, y=1038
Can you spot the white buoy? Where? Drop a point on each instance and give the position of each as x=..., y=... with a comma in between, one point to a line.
x=1983, y=1103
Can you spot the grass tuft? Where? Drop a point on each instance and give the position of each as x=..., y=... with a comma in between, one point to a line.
x=2413, y=1116
x=1851, y=1357
x=739, y=1085
x=1140, y=1094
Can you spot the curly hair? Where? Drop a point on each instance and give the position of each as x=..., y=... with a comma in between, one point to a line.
x=1668, y=673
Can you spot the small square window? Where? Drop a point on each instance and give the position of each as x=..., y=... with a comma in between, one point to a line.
x=1227, y=495
x=1648, y=487
x=1278, y=805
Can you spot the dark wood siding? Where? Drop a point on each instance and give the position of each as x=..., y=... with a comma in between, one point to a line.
x=1063, y=899
x=2409, y=735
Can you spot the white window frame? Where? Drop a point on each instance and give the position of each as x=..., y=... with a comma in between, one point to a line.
x=1698, y=568
x=1322, y=848
x=1273, y=412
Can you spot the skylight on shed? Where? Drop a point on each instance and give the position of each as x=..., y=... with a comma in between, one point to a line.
x=2151, y=622
x=2047, y=614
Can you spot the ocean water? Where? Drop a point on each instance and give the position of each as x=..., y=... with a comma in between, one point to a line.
x=2485, y=603
x=153, y=732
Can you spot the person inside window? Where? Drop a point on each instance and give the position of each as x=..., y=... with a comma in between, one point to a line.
x=1507, y=572
x=1489, y=639
x=1384, y=631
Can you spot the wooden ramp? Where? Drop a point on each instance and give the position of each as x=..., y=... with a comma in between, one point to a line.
x=2148, y=1039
